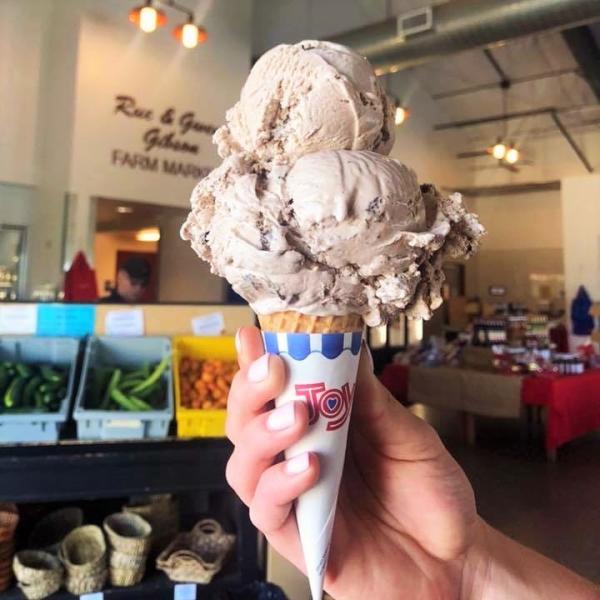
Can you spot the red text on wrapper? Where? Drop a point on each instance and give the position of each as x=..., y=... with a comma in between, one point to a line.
x=333, y=404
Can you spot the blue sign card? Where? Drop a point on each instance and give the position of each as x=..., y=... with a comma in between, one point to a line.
x=73, y=320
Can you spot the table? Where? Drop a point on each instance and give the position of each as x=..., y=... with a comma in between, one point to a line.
x=571, y=403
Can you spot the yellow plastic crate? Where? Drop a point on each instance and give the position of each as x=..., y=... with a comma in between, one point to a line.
x=200, y=422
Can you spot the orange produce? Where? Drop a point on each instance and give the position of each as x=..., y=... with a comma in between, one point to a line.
x=205, y=383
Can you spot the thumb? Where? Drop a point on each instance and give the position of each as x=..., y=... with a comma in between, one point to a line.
x=378, y=416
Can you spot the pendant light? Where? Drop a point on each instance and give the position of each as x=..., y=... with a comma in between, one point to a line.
x=147, y=17
x=189, y=34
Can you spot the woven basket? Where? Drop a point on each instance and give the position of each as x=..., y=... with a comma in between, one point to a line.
x=128, y=533
x=39, y=574
x=198, y=555
x=162, y=512
x=83, y=553
x=125, y=569
x=50, y=531
x=9, y=519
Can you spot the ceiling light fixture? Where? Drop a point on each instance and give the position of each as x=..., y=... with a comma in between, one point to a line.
x=400, y=115
x=189, y=34
x=147, y=18
x=151, y=234
x=499, y=150
x=512, y=156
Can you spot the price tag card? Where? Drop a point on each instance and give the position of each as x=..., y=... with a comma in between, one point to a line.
x=124, y=322
x=212, y=324
x=93, y=596
x=74, y=320
x=184, y=591
x=18, y=319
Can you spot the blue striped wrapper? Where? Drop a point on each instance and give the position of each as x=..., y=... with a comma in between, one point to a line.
x=300, y=345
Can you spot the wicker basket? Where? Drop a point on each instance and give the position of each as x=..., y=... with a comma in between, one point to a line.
x=162, y=512
x=83, y=553
x=39, y=574
x=129, y=539
x=128, y=533
x=9, y=519
x=50, y=531
x=125, y=569
x=198, y=555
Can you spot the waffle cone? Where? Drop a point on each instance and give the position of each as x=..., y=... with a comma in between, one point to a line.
x=294, y=322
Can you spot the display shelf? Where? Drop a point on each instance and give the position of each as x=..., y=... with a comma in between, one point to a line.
x=90, y=470
x=155, y=586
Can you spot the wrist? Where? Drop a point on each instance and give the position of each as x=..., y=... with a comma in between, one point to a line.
x=477, y=565
x=496, y=567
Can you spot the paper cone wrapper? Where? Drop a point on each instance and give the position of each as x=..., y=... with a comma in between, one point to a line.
x=321, y=355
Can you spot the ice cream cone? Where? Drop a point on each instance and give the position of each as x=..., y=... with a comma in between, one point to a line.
x=322, y=355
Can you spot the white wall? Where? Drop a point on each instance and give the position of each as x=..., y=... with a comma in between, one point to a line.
x=61, y=64
x=21, y=37
x=115, y=58
x=521, y=221
x=16, y=204
x=581, y=234
x=522, y=250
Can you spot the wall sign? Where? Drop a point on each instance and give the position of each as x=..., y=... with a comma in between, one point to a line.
x=169, y=129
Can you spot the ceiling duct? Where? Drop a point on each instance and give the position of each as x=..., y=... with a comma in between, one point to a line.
x=437, y=31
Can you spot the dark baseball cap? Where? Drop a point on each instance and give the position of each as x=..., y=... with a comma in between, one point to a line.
x=138, y=269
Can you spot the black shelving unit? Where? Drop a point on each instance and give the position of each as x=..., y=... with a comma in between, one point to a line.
x=72, y=470
x=77, y=470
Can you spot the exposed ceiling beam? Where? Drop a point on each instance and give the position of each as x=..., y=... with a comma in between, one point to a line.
x=504, y=82
x=536, y=112
x=513, y=188
x=585, y=51
x=550, y=111
x=565, y=132
x=494, y=85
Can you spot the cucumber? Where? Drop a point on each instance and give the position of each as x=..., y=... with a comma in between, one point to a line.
x=50, y=374
x=23, y=370
x=13, y=394
x=29, y=392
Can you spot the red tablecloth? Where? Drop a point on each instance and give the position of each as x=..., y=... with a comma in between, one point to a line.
x=572, y=403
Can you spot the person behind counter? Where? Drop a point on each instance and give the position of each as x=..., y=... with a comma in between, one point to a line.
x=132, y=280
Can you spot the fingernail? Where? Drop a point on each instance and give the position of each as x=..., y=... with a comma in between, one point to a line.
x=238, y=341
x=259, y=369
x=298, y=464
x=282, y=417
x=369, y=355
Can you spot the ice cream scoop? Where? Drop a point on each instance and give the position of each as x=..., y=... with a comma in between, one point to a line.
x=337, y=232
x=321, y=232
x=306, y=97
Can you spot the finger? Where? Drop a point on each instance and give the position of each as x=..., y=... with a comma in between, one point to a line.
x=251, y=389
x=278, y=487
x=260, y=442
x=249, y=345
x=383, y=421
